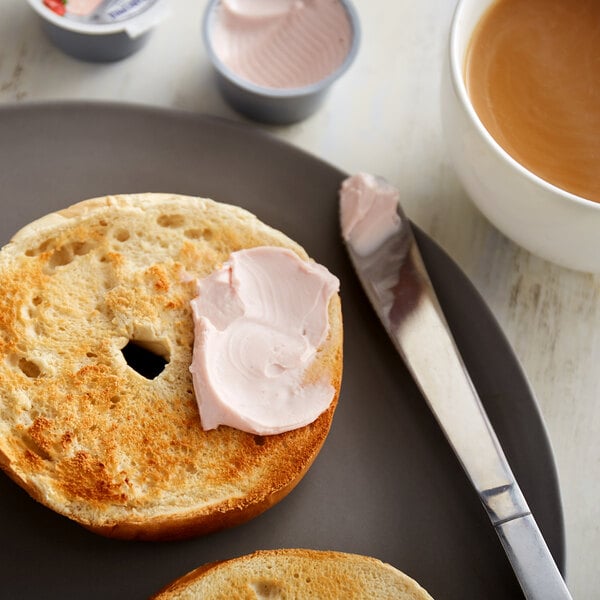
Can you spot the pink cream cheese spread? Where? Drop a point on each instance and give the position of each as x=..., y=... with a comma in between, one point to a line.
x=281, y=43
x=258, y=322
x=368, y=211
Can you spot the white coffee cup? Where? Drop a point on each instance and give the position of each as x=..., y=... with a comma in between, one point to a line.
x=546, y=220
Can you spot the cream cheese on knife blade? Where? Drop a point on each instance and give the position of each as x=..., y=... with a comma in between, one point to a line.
x=368, y=211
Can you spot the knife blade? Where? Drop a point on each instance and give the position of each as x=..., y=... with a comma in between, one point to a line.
x=389, y=265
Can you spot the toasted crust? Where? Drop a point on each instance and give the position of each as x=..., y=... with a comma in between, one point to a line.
x=86, y=434
x=295, y=574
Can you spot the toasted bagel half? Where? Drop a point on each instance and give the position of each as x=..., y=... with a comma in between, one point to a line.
x=98, y=418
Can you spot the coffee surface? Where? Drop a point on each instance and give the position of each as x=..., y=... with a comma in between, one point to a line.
x=533, y=74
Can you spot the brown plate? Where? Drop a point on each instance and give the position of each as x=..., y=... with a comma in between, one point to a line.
x=386, y=483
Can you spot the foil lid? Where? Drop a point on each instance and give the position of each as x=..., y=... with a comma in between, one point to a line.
x=98, y=12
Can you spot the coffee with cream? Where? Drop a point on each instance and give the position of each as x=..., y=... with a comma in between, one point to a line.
x=533, y=75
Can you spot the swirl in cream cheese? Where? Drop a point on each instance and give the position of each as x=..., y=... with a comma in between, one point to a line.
x=281, y=43
x=259, y=321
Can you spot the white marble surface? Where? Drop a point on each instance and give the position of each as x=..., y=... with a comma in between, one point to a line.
x=383, y=117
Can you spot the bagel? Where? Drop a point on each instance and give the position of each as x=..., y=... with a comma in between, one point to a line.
x=98, y=416
x=295, y=574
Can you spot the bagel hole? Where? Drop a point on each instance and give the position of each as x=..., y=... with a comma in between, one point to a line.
x=148, y=358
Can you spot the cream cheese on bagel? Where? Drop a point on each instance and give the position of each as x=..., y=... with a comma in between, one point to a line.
x=258, y=323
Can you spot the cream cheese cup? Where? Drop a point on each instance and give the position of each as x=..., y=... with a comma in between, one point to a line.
x=100, y=30
x=273, y=35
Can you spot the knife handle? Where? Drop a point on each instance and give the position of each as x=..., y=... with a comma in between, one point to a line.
x=531, y=560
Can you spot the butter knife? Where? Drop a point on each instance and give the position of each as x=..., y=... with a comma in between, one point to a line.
x=389, y=265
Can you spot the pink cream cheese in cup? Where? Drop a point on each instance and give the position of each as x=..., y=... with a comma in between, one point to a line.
x=282, y=43
x=100, y=30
